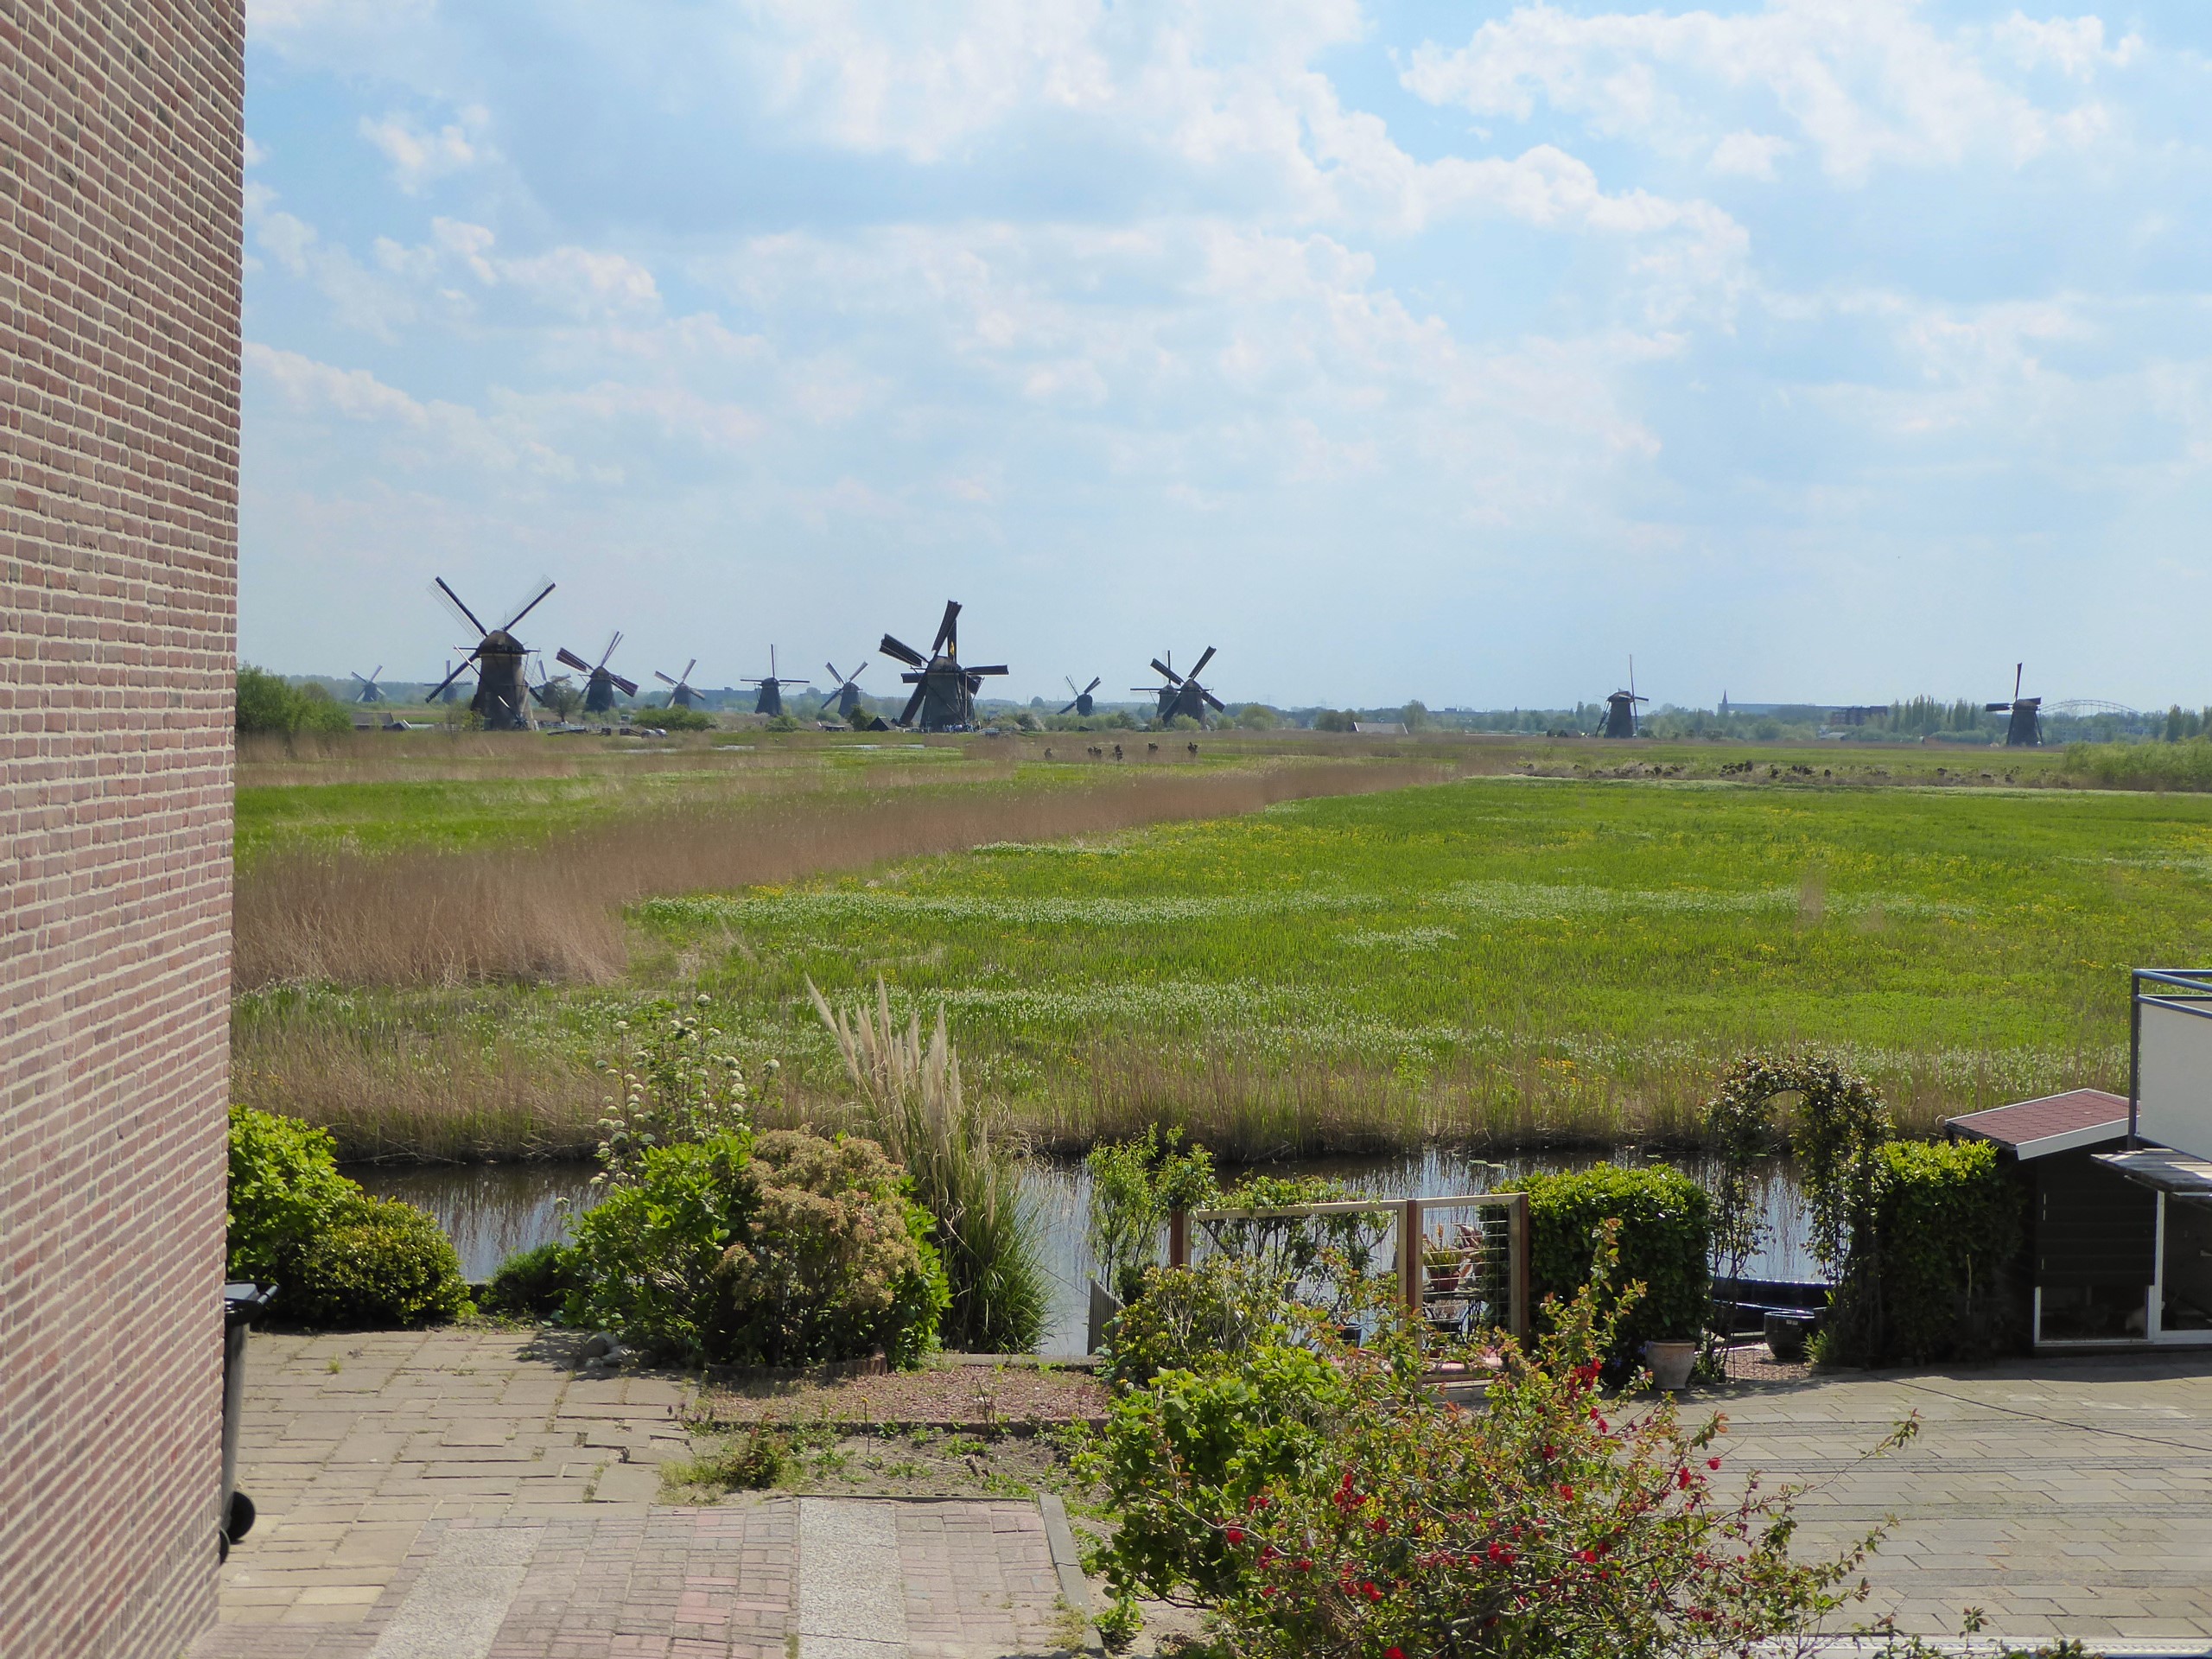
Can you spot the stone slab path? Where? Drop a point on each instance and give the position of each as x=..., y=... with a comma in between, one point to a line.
x=462, y=1495
x=2064, y=1497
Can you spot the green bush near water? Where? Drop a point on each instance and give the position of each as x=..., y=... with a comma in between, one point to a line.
x=1941, y=1267
x=338, y=1256
x=269, y=703
x=534, y=1283
x=1665, y=1234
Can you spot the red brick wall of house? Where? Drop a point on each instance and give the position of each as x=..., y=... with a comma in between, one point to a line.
x=121, y=139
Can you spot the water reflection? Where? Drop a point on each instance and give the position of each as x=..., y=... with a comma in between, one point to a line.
x=495, y=1210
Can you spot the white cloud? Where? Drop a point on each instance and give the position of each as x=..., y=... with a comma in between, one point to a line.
x=2073, y=46
x=419, y=155
x=1866, y=82
x=1749, y=155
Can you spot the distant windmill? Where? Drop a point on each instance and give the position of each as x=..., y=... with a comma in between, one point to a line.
x=846, y=692
x=2025, y=731
x=502, y=699
x=1182, y=696
x=680, y=694
x=601, y=683
x=370, y=692
x=1084, y=704
x=448, y=692
x=944, y=687
x=770, y=700
x=1620, y=708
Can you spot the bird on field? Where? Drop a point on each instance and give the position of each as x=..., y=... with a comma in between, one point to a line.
x=1117, y=750
x=1194, y=751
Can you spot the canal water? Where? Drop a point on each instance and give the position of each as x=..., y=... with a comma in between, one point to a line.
x=495, y=1210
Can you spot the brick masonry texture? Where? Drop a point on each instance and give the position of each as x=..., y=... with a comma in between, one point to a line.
x=121, y=149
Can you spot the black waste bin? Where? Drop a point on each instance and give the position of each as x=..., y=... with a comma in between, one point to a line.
x=242, y=1304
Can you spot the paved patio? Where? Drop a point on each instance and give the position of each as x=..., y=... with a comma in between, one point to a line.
x=464, y=1494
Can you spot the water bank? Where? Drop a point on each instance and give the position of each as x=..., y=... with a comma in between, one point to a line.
x=495, y=1210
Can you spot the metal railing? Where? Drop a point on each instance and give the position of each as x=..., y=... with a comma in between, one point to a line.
x=1475, y=1277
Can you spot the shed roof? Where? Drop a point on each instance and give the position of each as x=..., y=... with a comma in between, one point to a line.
x=2035, y=1128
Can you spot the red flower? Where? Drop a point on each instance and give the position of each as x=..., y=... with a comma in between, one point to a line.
x=1587, y=1557
x=1682, y=1478
x=1394, y=1653
x=1567, y=1494
x=1235, y=1534
x=1712, y=1463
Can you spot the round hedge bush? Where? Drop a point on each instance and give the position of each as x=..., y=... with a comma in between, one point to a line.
x=379, y=1263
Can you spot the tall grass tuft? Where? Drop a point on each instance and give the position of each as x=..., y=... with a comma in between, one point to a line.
x=911, y=1092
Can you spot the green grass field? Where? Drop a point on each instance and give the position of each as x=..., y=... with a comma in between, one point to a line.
x=1495, y=955
x=1554, y=951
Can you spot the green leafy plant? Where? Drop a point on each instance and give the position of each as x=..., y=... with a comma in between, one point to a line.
x=285, y=1189
x=1202, y=1319
x=377, y=1263
x=1135, y=1186
x=337, y=1256
x=1932, y=1283
x=1340, y=1511
x=677, y=1083
x=673, y=719
x=533, y=1283
x=832, y=1262
x=646, y=1254
x=1663, y=1220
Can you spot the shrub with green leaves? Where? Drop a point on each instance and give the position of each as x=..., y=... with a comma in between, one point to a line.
x=833, y=1263
x=1134, y=1184
x=645, y=1255
x=1664, y=1219
x=377, y=1264
x=1938, y=1268
x=1201, y=1319
x=337, y=1256
x=285, y=1189
x=533, y=1283
x=1220, y=1437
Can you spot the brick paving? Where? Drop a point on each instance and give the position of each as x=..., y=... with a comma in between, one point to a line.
x=464, y=1494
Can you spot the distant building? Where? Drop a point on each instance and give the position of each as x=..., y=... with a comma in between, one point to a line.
x=1380, y=728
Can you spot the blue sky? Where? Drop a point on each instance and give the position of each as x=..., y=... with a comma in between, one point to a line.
x=1826, y=349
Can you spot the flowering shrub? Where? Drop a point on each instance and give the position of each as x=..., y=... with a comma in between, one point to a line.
x=1201, y=1318
x=677, y=1084
x=1367, y=1518
x=645, y=1255
x=834, y=1262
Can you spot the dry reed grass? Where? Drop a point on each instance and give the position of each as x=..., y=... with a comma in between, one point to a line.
x=552, y=911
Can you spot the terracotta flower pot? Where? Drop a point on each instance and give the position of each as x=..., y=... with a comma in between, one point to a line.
x=1671, y=1364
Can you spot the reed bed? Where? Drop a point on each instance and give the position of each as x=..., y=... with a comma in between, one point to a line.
x=552, y=912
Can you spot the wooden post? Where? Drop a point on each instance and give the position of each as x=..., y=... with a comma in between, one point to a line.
x=1409, y=1244
x=1178, y=1238
x=1516, y=1235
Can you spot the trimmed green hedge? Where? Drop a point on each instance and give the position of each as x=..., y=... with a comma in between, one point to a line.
x=1666, y=1229
x=1948, y=1229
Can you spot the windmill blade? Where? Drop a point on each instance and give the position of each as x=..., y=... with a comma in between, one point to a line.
x=612, y=640
x=915, y=677
x=450, y=678
x=1173, y=679
x=364, y=680
x=1995, y=707
x=2018, y=669
x=1212, y=699
x=905, y=652
x=1070, y=708
x=995, y=668
x=1199, y=667
x=568, y=658
x=948, y=632
x=914, y=702
x=664, y=678
x=688, y=667
x=1069, y=678
x=835, y=676
x=451, y=600
x=854, y=679
x=629, y=687
x=1087, y=689
x=510, y=623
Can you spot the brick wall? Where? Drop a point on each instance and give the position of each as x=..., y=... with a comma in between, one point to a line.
x=120, y=152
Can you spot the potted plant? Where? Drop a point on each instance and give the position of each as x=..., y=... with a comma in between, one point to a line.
x=1445, y=1267
x=1671, y=1363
